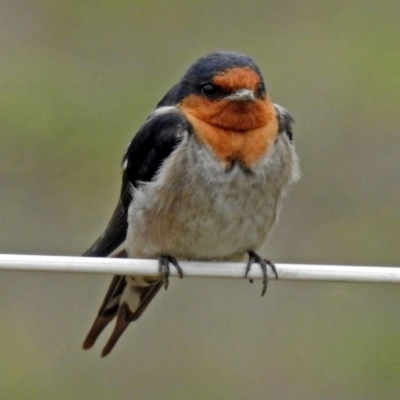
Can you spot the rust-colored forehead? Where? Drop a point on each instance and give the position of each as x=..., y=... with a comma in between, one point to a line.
x=238, y=78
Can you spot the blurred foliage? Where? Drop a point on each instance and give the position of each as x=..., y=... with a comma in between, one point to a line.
x=78, y=78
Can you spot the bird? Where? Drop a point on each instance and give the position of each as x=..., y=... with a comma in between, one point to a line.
x=203, y=179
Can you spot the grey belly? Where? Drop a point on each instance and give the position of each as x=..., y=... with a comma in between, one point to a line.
x=196, y=219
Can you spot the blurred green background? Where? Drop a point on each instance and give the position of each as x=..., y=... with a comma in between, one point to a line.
x=77, y=79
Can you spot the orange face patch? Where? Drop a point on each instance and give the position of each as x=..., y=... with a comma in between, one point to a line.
x=228, y=114
x=239, y=131
x=229, y=145
x=238, y=78
x=231, y=114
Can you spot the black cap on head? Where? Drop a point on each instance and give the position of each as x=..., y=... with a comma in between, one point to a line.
x=205, y=68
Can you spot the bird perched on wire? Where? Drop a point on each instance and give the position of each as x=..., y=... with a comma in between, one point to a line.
x=202, y=179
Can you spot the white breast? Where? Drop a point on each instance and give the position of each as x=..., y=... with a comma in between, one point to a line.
x=194, y=209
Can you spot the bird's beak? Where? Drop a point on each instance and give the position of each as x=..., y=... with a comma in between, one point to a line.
x=242, y=95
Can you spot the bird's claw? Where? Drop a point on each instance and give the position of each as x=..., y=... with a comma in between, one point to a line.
x=254, y=258
x=163, y=268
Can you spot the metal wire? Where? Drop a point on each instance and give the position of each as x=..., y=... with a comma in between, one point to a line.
x=328, y=273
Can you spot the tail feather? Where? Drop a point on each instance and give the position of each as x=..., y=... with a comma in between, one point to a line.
x=98, y=326
x=123, y=300
x=108, y=310
x=123, y=319
x=125, y=315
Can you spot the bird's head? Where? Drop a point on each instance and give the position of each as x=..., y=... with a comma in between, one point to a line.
x=225, y=89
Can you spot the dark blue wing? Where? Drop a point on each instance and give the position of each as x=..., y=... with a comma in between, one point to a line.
x=285, y=121
x=153, y=143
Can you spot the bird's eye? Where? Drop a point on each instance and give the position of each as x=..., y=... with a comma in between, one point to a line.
x=261, y=90
x=209, y=90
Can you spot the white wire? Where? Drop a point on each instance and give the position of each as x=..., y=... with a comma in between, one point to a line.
x=121, y=266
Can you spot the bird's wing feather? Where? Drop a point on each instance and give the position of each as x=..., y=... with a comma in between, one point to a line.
x=153, y=143
x=115, y=232
x=285, y=121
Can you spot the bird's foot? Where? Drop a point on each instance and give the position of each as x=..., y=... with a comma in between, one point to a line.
x=163, y=268
x=254, y=258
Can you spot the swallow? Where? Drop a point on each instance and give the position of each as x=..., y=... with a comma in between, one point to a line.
x=203, y=179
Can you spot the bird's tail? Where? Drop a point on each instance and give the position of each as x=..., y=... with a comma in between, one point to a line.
x=126, y=299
